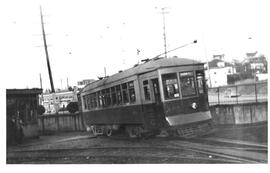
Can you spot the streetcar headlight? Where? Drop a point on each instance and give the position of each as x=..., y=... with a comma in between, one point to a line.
x=194, y=105
x=167, y=119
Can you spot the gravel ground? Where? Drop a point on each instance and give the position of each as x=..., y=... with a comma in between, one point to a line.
x=257, y=133
x=82, y=147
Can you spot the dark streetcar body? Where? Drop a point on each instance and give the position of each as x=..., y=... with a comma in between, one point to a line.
x=161, y=95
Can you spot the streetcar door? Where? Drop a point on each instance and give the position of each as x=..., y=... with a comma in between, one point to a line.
x=156, y=91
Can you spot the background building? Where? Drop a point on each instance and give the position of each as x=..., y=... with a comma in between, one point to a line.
x=58, y=101
x=84, y=82
x=218, y=70
x=255, y=63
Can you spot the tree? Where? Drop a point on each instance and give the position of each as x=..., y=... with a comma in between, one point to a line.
x=70, y=88
x=73, y=107
x=40, y=109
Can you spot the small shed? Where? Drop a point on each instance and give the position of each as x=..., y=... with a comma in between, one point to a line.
x=22, y=113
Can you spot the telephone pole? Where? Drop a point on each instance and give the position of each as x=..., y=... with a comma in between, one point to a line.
x=41, y=96
x=40, y=81
x=46, y=52
x=163, y=12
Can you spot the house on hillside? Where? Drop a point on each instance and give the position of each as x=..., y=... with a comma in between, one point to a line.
x=218, y=70
x=254, y=63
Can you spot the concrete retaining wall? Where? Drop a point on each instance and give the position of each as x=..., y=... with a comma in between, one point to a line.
x=222, y=114
x=60, y=123
x=240, y=113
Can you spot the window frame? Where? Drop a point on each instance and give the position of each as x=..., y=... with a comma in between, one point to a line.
x=147, y=86
x=203, y=81
x=131, y=91
x=194, y=83
x=125, y=90
x=111, y=96
x=113, y=93
x=164, y=86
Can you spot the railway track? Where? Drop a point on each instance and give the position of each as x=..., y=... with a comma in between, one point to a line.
x=236, y=152
x=85, y=149
x=172, y=154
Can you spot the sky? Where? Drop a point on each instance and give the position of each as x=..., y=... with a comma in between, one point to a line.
x=86, y=36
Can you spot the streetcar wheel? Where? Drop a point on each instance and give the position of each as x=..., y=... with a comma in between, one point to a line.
x=133, y=132
x=94, y=130
x=109, y=132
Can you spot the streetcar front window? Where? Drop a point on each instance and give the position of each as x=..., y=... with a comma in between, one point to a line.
x=200, y=81
x=170, y=86
x=187, y=84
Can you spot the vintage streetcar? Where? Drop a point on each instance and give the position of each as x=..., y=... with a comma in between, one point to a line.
x=162, y=95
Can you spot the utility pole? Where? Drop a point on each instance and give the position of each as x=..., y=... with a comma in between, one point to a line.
x=105, y=72
x=67, y=83
x=164, y=30
x=138, y=56
x=46, y=52
x=41, y=97
x=206, y=57
x=40, y=80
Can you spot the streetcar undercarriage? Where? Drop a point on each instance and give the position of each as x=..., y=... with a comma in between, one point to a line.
x=138, y=130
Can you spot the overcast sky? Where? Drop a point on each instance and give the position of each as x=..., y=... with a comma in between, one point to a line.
x=86, y=36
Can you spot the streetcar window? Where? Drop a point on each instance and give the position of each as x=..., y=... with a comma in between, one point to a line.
x=93, y=100
x=131, y=90
x=99, y=97
x=187, y=84
x=146, y=89
x=200, y=81
x=103, y=97
x=90, y=101
x=113, y=95
x=108, y=97
x=84, y=101
x=125, y=93
x=118, y=95
x=87, y=101
x=170, y=86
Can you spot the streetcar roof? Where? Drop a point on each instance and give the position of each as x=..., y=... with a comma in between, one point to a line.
x=148, y=66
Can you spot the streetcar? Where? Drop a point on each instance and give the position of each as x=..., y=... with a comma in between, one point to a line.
x=161, y=95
